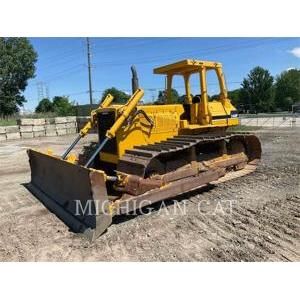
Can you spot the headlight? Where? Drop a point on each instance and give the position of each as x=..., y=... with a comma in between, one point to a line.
x=234, y=114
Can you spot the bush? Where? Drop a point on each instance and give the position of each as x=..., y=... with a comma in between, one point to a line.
x=59, y=106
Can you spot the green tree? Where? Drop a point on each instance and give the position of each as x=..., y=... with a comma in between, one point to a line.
x=162, y=97
x=257, y=91
x=119, y=96
x=287, y=89
x=17, y=66
x=62, y=106
x=234, y=96
x=44, y=106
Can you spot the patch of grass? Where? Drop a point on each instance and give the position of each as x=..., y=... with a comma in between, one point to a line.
x=243, y=128
x=12, y=120
x=8, y=122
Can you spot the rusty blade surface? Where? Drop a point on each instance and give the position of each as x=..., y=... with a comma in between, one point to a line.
x=73, y=193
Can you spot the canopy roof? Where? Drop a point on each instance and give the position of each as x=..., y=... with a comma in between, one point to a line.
x=186, y=66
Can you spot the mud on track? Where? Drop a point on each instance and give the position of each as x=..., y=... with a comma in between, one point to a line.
x=253, y=218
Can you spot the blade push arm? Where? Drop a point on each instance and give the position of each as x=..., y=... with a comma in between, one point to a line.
x=93, y=120
x=127, y=109
x=90, y=124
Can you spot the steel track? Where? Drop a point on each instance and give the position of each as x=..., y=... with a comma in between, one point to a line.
x=136, y=161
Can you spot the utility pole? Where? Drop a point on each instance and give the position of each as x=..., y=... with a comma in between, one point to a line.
x=89, y=70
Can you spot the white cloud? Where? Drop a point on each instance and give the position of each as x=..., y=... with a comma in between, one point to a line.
x=295, y=51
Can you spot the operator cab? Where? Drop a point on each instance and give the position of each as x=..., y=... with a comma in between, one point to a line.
x=197, y=109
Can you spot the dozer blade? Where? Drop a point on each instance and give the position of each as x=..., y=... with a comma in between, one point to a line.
x=75, y=194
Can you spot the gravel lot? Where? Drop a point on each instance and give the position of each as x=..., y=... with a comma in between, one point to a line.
x=253, y=218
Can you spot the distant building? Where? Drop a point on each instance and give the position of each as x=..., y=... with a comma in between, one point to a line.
x=85, y=109
x=296, y=108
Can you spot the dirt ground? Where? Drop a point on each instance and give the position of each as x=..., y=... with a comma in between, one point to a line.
x=252, y=218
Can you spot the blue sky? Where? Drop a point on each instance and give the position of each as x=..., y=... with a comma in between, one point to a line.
x=62, y=62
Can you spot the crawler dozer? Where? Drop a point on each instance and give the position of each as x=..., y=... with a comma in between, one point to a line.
x=145, y=153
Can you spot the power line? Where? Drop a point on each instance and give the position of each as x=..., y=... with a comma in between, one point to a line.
x=74, y=69
x=142, y=61
x=52, y=55
x=108, y=49
x=76, y=93
x=47, y=92
x=150, y=89
x=63, y=60
x=89, y=69
x=139, y=43
x=72, y=55
x=223, y=48
x=42, y=90
x=152, y=59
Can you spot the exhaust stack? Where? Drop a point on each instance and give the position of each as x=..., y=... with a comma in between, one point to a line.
x=134, y=80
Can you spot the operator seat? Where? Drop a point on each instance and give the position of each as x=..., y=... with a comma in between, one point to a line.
x=196, y=99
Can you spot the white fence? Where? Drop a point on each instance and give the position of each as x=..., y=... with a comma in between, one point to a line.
x=271, y=121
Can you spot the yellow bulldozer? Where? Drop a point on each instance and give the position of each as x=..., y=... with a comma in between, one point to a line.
x=145, y=153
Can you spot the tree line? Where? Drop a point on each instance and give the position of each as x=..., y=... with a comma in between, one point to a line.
x=259, y=91
x=59, y=105
x=17, y=66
